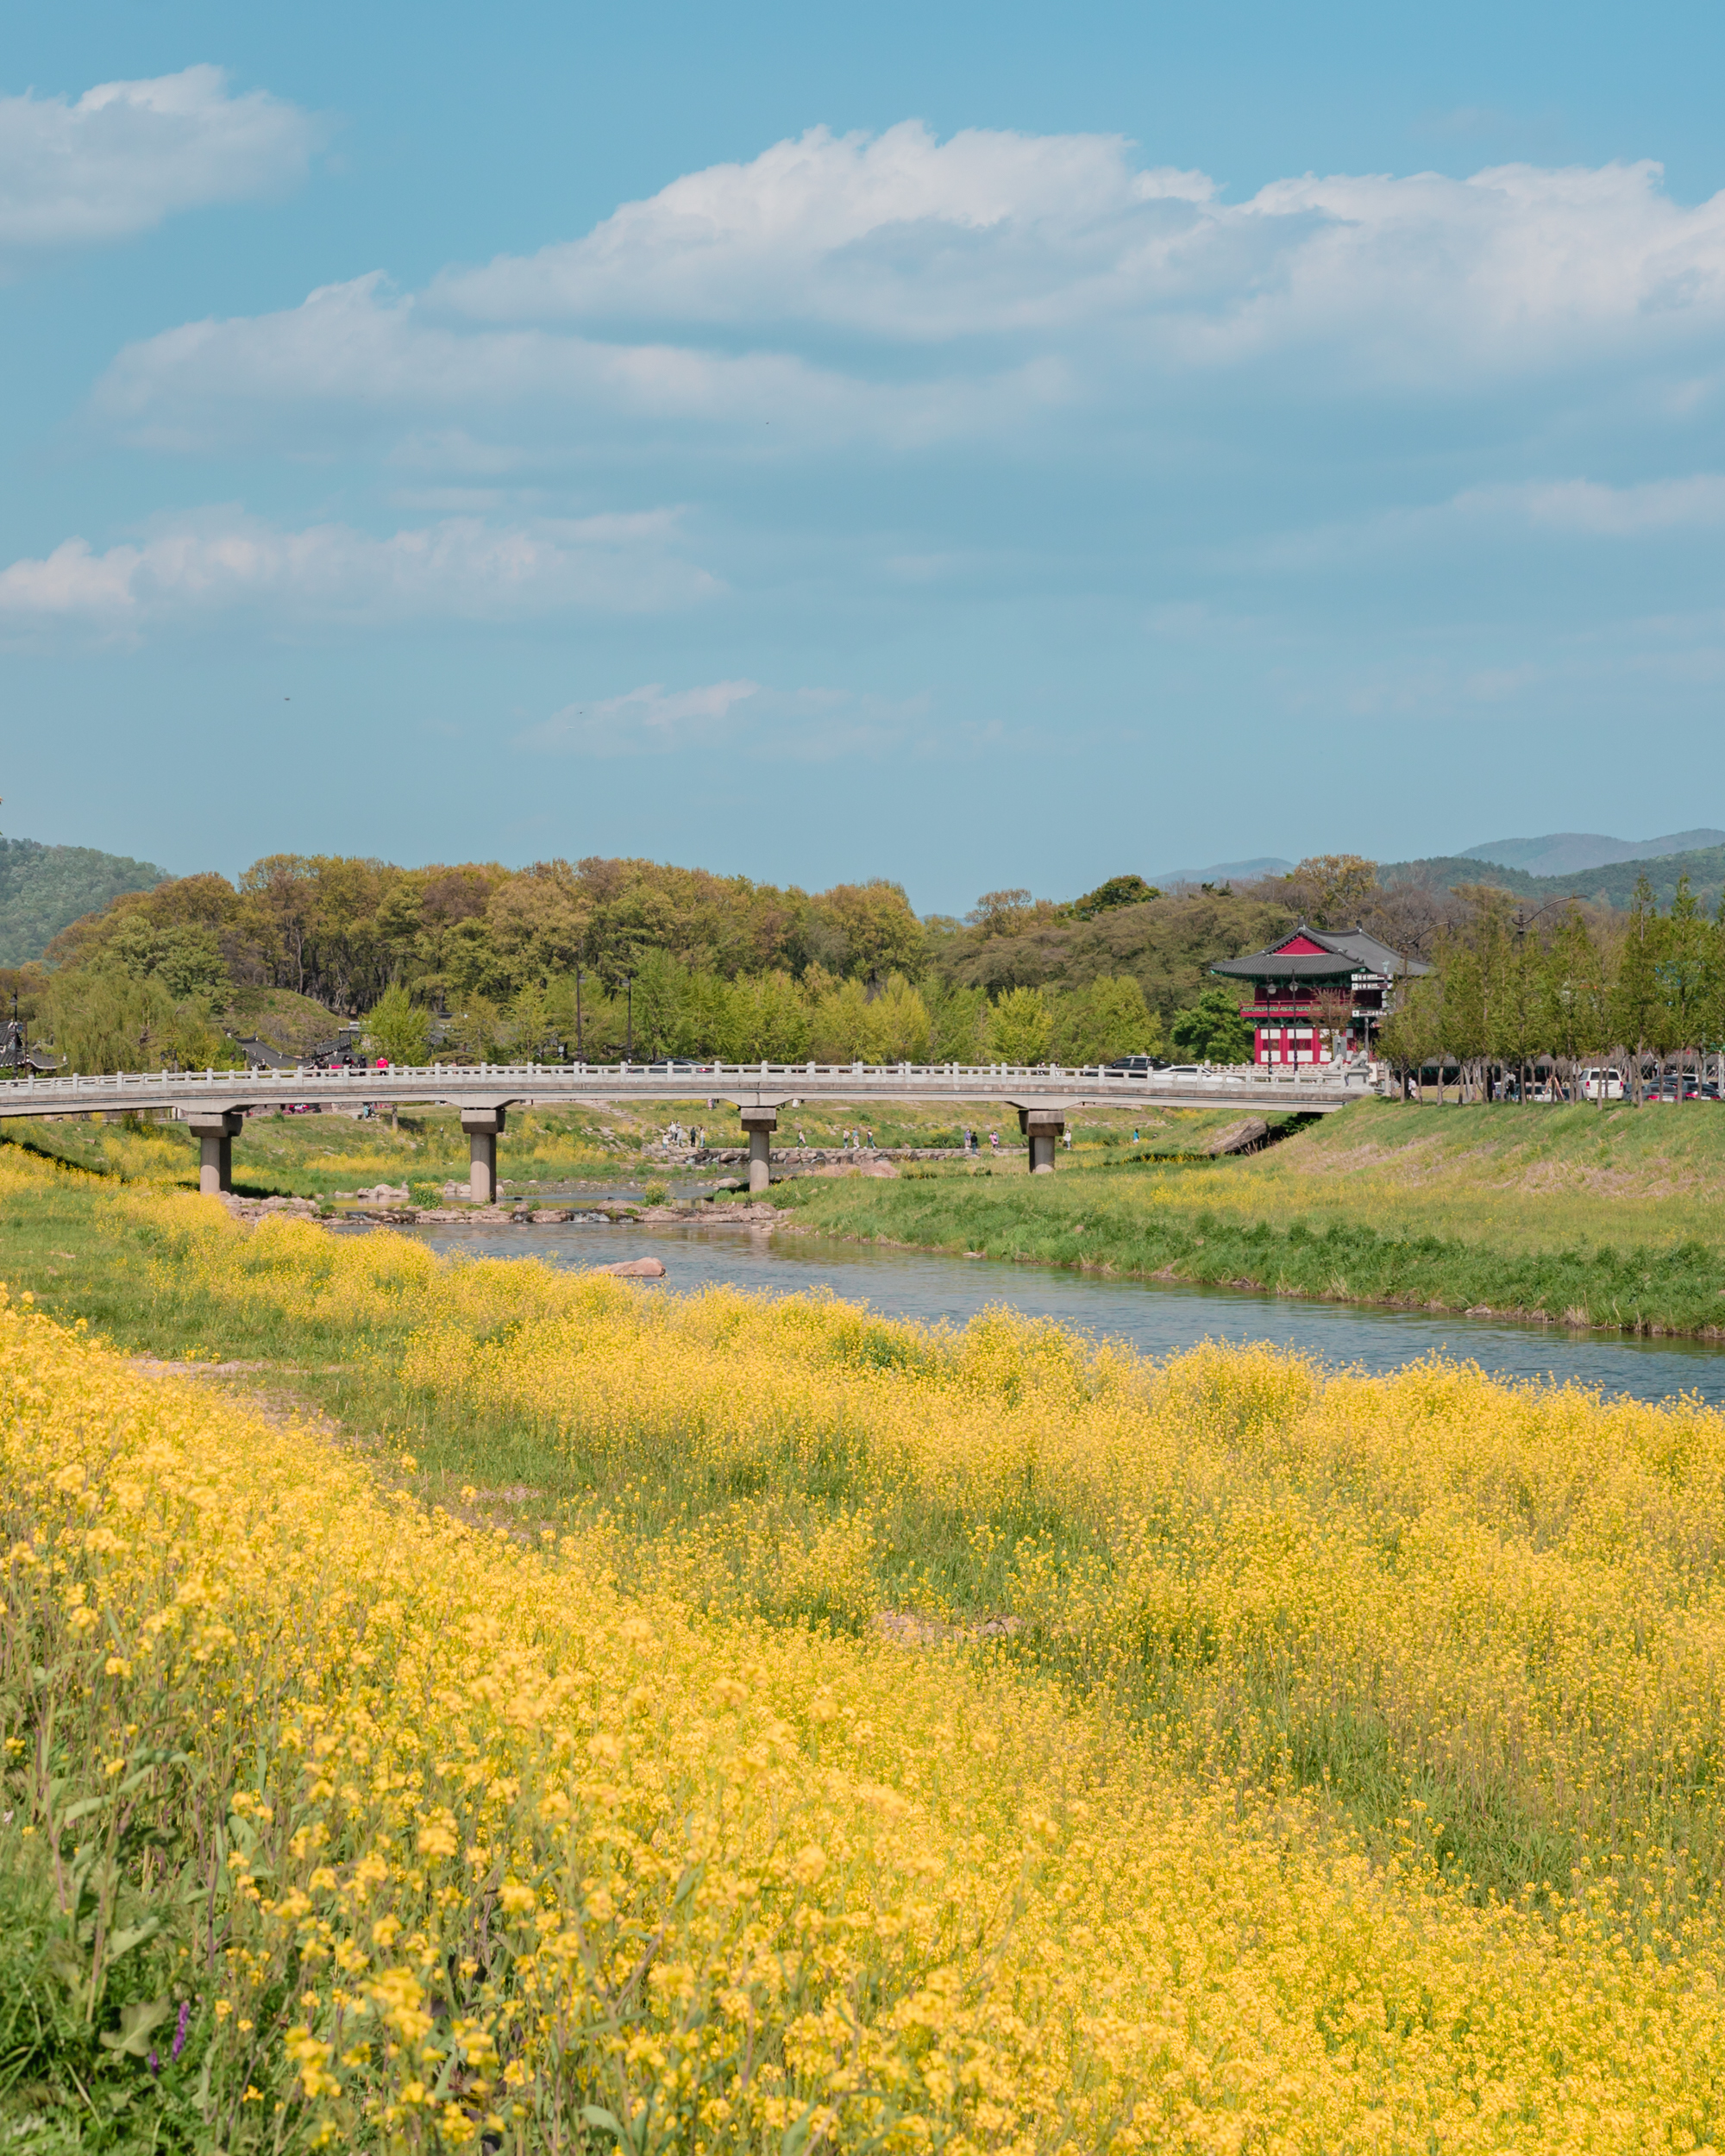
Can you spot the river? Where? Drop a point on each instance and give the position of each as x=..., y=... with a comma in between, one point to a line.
x=1156, y=1317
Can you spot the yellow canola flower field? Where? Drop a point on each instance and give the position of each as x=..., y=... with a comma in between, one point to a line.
x=1504, y=1603
x=450, y=1835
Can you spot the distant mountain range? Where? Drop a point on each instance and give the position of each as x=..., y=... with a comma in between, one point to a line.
x=1571, y=853
x=44, y=889
x=1222, y=872
x=1612, y=884
x=1561, y=864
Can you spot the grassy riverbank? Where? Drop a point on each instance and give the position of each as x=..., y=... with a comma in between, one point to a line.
x=1580, y=1215
x=619, y=1718
x=321, y=1156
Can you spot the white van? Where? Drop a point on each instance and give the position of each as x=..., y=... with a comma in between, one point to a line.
x=1602, y=1084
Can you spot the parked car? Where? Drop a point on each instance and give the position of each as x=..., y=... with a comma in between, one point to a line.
x=1602, y=1084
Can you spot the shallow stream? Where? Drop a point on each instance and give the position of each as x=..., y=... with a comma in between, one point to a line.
x=1155, y=1317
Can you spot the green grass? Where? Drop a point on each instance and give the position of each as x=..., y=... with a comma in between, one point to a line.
x=321, y=1156
x=1603, y=1217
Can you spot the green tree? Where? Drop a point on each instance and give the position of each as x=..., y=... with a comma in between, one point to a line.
x=841, y=1028
x=1020, y=1028
x=1713, y=1014
x=704, y=1026
x=398, y=1028
x=102, y=1019
x=1107, y=1018
x=1117, y=891
x=958, y=1024
x=533, y=1031
x=1684, y=988
x=1330, y=890
x=901, y=1029
x=186, y=957
x=1412, y=1035
x=1211, y=1030
x=1635, y=1000
x=1521, y=1012
x=660, y=996
x=767, y=1020
x=475, y=1029
x=1575, y=1017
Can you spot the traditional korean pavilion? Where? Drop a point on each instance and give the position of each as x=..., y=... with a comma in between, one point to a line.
x=1288, y=979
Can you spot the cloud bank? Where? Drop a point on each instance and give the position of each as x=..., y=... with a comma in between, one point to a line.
x=1260, y=376
x=903, y=290
x=459, y=568
x=994, y=235
x=127, y=155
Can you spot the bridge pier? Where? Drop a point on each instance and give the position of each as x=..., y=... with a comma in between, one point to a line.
x=215, y=1134
x=760, y=1123
x=482, y=1126
x=1042, y=1128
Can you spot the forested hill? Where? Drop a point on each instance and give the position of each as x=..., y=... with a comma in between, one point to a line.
x=44, y=889
x=1613, y=885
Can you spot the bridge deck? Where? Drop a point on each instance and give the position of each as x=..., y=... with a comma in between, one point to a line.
x=747, y=1085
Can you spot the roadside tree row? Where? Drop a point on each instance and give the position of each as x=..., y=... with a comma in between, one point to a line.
x=1510, y=996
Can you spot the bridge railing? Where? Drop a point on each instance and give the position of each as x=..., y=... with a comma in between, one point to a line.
x=675, y=1079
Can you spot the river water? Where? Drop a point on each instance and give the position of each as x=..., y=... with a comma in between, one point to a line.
x=1153, y=1316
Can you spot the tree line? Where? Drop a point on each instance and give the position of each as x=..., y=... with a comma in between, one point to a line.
x=668, y=1012
x=599, y=956
x=595, y=959
x=1511, y=995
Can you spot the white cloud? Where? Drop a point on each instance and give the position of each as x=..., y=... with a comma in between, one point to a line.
x=806, y=725
x=896, y=235
x=642, y=721
x=356, y=358
x=126, y=154
x=838, y=293
x=1482, y=515
x=989, y=233
x=459, y=567
x=1625, y=512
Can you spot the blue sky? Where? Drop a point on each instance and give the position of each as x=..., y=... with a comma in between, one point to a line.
x=976, y=445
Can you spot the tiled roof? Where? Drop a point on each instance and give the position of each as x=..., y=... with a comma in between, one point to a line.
x=1347, y=951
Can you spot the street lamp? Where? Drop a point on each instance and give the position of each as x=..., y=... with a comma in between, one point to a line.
x=581, y=1051
x=629, y=1043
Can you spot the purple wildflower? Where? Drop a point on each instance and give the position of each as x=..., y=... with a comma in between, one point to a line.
x=180, y=2033
x=155, y=2062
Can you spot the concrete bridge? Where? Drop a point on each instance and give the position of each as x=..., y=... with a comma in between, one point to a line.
x=213, y=1103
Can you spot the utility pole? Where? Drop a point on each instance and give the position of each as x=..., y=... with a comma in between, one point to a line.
x=581, y=1051
x=629, y=1044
